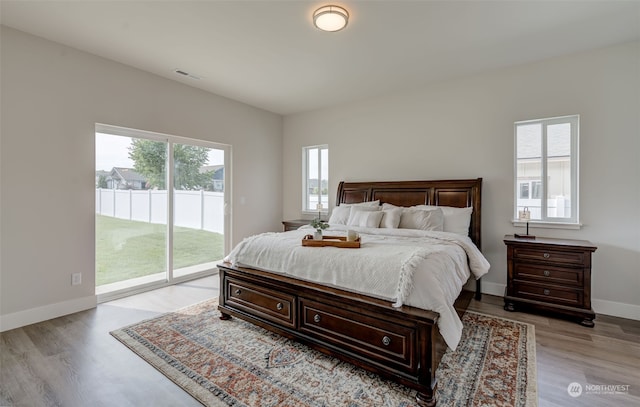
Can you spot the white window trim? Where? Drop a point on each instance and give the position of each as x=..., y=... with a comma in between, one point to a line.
x=547, y=225
x=547, y=222
x=305, y=177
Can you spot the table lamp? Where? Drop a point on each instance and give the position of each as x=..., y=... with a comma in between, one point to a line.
x=524, y=216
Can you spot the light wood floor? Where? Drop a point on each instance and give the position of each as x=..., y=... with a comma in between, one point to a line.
x=73, y=361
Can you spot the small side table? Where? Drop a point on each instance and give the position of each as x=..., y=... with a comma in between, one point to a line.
x=550, y=274
x=294, y=224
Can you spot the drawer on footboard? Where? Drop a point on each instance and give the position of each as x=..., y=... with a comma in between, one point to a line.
x=380, y=341
x=261, y=302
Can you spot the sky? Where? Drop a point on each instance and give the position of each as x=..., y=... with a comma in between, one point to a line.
x=113, y=151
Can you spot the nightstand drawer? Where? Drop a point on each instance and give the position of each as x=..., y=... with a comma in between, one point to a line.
x=548, y=274
x=549, y=293
x=552, y=256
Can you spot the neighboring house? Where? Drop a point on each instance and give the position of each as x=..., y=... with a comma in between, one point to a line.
x=217, y=179
x=125, y=178
x=101, y=174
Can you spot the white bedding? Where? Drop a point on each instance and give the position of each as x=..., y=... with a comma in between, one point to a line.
x=404, y=266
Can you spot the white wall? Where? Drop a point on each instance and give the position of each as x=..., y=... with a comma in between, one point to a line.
x=464, y=129
x=51, y=98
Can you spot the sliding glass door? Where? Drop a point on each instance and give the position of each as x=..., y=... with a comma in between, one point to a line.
x=198, y=208
x=146, y=233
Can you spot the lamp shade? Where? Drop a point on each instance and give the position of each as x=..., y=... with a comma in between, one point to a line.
x=330, y=18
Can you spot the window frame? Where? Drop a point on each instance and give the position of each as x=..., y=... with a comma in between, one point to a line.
x=573, y=221
x=171, y=277
x=305, y=177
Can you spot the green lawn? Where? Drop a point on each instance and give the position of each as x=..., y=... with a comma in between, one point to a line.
x=127, y=249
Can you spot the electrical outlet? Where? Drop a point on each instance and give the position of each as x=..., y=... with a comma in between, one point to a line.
x=76, y=278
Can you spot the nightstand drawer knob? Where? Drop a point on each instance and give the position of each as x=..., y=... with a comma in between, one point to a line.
x=316, y=318
x=546, y=292
x=547, y=273
x=546, y=255
x=279, y=306
x=238, y=292
x=386, y=341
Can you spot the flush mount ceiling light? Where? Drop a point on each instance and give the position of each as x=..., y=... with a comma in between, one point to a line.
x=330, y=18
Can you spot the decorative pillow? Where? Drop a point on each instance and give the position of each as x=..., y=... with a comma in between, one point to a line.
x=368, y=203
x=422, y=219
x=340, y=214
x=456, y=220
x=364, y=218
x=386, y=206
x=391, y=218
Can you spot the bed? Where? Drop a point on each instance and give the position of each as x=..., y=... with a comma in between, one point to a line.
x=401, y=343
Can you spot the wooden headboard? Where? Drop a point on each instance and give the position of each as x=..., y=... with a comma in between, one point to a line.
x=458, y=193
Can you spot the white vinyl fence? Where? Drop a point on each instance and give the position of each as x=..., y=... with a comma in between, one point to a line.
x=192, y=209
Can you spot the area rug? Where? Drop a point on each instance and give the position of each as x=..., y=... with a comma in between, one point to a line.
x=234, y=363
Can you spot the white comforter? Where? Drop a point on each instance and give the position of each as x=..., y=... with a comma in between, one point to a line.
x=422, y=269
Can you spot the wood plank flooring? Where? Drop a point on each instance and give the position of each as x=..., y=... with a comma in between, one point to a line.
x=73, y=361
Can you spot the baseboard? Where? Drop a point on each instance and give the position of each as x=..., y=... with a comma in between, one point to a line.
x=493, y=288
x=604, y=307
x=39, y=314
x=616, y=309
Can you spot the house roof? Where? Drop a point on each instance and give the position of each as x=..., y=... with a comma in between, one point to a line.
x=127, y=174
x=207, y=168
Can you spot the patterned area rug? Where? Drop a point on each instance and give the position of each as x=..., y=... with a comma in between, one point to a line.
x=234, y=363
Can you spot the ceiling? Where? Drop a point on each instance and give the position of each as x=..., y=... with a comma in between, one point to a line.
x=268, y=54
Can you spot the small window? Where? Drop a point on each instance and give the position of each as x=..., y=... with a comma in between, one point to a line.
x=315, y=179
x=547, y=168
x=524, y=190
x=536, y=189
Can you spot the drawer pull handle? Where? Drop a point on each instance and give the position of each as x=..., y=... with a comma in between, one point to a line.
x=546, y=292
x=238, y=292
x=279, y=306
x=386, y=341
x=546, y=255
x=316, y=318
x=547, y=273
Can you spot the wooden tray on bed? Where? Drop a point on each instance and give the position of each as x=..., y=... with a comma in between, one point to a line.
x=334, y=241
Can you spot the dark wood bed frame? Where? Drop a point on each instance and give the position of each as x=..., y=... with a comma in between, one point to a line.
x=401, y=344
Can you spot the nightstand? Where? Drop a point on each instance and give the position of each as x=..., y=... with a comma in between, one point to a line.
x=550, y=275
x=294, y=224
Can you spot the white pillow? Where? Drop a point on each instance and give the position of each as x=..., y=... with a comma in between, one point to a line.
x=365, y=219
x=456, y=220
x=391, y=218
x=386, y=206
x=422, y=219
x=367, y=203
x=340, y=214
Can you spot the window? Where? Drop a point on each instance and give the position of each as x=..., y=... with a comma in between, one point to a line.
x=547, y=169
x=530, y=189
x=315, y=182
x=160, y=209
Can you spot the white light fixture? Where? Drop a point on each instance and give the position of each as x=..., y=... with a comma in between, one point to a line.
x=330, y=18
